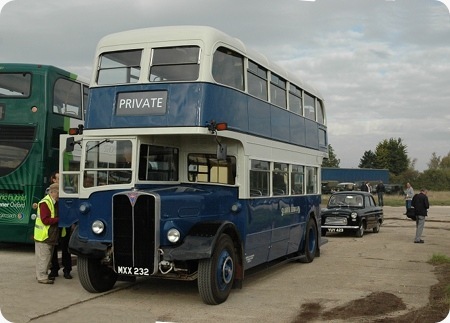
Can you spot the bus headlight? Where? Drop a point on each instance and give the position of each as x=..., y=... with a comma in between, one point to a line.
x=98, y=227
x=354, y=215
x=173, y=235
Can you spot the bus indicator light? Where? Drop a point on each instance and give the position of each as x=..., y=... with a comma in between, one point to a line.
x=34, y=109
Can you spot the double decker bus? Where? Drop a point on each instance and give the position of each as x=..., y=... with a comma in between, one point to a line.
x=37, y=104
x=199, y=159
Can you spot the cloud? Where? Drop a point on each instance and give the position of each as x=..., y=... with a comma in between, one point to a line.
x=382, y=66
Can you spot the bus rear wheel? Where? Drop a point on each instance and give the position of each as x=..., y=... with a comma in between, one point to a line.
x=95, y=277
x=310, y=242
x=216, y=274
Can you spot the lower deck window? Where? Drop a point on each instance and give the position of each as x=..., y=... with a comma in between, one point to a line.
x=206, y=168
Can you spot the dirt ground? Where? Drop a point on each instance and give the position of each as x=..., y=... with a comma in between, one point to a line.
x=379, y=303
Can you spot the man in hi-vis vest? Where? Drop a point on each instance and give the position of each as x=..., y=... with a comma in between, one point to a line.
x=46, y=233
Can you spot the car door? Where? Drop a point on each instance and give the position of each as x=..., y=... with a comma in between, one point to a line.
x=370, y=211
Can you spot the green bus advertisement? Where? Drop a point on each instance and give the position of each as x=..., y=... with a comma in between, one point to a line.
x=37, y=104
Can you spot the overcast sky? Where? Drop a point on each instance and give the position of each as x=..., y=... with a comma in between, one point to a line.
x=382, y=66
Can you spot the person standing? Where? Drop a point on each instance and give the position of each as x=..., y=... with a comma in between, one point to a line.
x=380, y=193
x=409, y=193
x=46, y=233
x=421, y=206
x=365, y=187
x=63, y=244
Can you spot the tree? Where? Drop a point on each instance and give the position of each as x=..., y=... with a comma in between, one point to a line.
x=435, y=161
x=367, y=160
x=391, y=154
x=332, y=160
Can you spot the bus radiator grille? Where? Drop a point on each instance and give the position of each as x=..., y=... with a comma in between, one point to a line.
x=134, y=232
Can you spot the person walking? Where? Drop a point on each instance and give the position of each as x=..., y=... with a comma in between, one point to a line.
x=409, y=193
x=46, y=233
x=380, y=193
x=421, y=206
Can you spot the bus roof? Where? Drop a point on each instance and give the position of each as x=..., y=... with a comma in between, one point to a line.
x=209, y=36
x=27, y=67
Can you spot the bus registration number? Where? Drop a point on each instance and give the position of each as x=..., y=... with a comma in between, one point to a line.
x=122, y=270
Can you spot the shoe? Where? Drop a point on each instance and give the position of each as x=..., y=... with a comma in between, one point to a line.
x=45, y=281
x=67, y=276
x=420, y=241
x=52, y=275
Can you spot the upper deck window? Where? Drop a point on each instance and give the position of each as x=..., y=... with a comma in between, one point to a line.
x=320, y=114
x=278, y=91
x=119, y=67
x=228, y=68
x=310, y=107
x=15, y=85
x=180, y=63
x=257, y=80
x=295, y=99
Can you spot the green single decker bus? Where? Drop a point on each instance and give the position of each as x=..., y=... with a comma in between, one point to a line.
x=37, y=104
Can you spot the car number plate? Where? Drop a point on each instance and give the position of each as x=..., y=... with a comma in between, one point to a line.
x=136, y=271
x=335, y=230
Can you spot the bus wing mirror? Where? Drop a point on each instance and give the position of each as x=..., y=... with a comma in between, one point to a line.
x=221, y=151
x=70, y=144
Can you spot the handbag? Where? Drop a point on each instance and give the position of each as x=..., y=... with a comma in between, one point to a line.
x=411, y=213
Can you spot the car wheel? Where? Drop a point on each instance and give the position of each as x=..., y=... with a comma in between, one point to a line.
x=376, y=229
x=360, y=231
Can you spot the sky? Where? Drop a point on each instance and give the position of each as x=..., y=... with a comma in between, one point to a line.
x=382, y=66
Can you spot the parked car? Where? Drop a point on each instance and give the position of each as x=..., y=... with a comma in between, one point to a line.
x=346, y=187
x=394, y=189
x=353, y=211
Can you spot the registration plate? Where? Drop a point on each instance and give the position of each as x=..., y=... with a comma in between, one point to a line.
x=136, y=271
x=335, y=230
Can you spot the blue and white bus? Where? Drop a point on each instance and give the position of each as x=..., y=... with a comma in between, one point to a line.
x=199, y=159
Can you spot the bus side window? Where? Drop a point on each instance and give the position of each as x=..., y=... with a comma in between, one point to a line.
x=228, y=68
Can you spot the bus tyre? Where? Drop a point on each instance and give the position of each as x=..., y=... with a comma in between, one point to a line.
x=216, y=274
x=95, y=277
x=310, y=242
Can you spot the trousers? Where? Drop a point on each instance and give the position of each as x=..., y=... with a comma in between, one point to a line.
x=420, y=223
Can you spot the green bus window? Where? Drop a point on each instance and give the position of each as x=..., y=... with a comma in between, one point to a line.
x=15, y=85
x=68, y=98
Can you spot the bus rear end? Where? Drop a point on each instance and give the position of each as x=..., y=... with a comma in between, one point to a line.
x=37, y=103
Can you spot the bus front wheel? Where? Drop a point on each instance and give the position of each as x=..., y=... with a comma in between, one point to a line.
x=94, y=276
x=216, y=274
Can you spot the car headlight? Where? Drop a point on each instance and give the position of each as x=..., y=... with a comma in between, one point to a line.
x=354, y=215
x=98, y=227
x=173, y=235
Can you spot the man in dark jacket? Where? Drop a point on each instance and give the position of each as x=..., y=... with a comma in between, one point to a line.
x=421, y=206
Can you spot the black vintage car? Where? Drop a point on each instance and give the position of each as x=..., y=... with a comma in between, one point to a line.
x=353, y=211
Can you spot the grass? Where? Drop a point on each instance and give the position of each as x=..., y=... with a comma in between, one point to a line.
x=444, y=262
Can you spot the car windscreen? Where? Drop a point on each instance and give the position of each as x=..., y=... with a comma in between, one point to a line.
x=351, y=200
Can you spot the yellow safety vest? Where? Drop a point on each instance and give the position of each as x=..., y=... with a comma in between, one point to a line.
x=40, y=229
